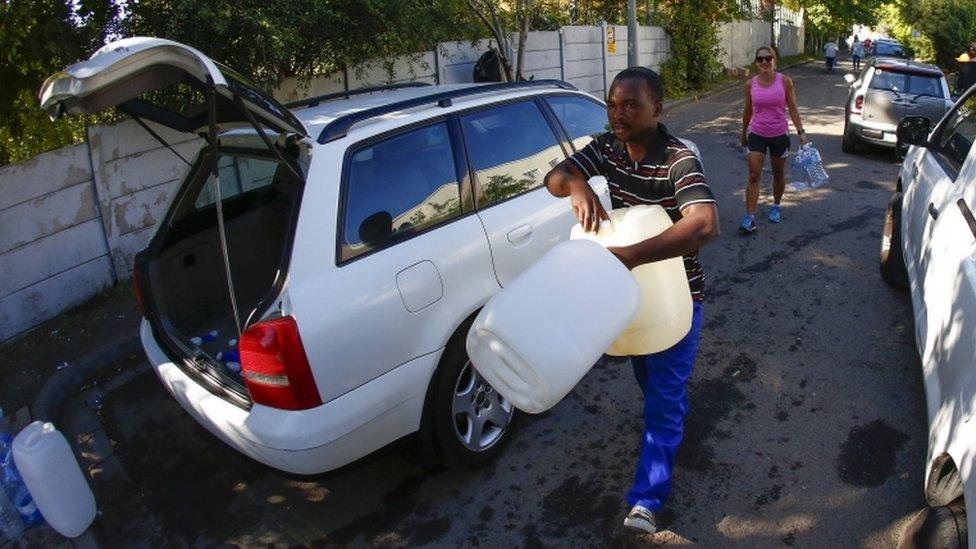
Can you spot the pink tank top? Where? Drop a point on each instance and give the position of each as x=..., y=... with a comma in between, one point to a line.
x=768, y=108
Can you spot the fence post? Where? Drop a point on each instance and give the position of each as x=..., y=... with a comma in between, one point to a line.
x=603, y=53
x=93, y=141
x=562, y=55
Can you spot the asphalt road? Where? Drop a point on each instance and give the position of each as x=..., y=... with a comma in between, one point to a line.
x=806, y=425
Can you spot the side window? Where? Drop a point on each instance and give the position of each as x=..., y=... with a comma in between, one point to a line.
x=958, y=134
x=511, y=148
x=583, y=119
x=397, y=187
x=238, y=175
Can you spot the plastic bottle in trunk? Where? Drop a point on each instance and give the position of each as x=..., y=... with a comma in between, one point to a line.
x=534, y=340
x=665, y=309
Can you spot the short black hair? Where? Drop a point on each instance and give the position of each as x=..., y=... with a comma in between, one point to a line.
x=651, y=78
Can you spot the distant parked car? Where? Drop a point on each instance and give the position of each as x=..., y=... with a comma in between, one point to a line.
x=929, y=246
x=312, y=307
x=888, y=48
x=886, y=91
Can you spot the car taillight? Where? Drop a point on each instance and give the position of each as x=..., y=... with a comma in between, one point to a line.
x=275, y=367
x=136, y=289
x=858, y=105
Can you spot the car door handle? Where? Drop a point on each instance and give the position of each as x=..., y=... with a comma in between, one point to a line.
x=932, y=211
x=968, y=215
x=914, y=172
x=520, y=234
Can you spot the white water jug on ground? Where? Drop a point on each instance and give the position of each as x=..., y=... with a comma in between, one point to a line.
x=54, y=478
x=534, y=340
x=665, y=311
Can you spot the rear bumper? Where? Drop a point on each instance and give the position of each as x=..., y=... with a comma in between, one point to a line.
x=308, y=441
x=875, y=133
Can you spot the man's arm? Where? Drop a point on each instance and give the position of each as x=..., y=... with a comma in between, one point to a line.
x=698, y=226
x=567, y=180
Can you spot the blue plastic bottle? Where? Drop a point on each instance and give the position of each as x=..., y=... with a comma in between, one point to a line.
x=13, y=485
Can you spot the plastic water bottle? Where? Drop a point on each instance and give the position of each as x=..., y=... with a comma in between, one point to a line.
x=798, y=172
x=11, y=526
x=814, y=164
x=13, y=485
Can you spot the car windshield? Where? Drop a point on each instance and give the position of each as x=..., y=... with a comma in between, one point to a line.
x=907, y=83
x=883, y=48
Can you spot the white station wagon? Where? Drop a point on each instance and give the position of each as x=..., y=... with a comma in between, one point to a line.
x=929, y=246
x=307, y=294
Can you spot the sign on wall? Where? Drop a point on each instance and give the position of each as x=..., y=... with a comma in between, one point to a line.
x=611, y=40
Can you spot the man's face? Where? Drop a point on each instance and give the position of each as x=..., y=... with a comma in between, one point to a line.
x=632, y=109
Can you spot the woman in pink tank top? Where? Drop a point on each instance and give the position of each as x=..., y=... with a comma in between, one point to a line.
x=768, y=96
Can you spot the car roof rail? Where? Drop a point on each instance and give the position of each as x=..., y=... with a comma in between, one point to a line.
x=313, y=101
x=339, y=127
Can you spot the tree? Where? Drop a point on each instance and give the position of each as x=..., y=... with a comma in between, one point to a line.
x=949, y=24
x=37, y=38
x=693, y=27
x=836, y=18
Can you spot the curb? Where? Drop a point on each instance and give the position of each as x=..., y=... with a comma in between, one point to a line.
x=725, y=87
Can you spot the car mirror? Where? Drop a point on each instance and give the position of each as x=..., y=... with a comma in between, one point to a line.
x=913, y=130
x=849, y=78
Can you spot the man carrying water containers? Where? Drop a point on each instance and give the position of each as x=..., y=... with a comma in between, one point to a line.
x=644, y=164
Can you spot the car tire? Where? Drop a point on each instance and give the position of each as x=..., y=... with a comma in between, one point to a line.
x=469, y=422
x=942, y=527
x=891, y=260
x=847, y=143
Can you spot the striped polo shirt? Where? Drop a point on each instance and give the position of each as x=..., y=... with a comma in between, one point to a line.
x=669, y=175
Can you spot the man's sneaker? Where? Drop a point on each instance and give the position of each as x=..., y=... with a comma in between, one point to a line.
x=774, y=215
x=748, y=224
x=641, y=519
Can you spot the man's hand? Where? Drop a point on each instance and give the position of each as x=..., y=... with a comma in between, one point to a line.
x=586, y=205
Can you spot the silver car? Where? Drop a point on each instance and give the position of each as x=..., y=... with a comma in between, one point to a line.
x=887, y=90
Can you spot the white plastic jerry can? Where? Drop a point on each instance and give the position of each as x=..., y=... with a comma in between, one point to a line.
x=536, y=339
x=665, y=311
x=54, y=478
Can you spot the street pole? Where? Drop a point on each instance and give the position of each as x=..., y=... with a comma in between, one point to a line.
x=632, y=58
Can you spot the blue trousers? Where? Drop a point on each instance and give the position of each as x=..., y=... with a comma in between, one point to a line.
x=662, y=377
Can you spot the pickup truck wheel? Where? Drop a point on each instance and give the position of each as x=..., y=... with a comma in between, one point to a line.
x=471, y=421
x=942, y=527
x=892, y=263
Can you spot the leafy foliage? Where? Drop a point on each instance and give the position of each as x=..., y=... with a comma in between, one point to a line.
x=693, y=27
x=37, y=38
x=893, y=23
x=836, y=18
x=949, y=24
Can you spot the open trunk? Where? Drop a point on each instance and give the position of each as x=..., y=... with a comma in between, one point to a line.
x=182, y=273
x=213, y=266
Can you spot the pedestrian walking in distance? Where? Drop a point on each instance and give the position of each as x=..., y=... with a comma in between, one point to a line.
x=768, y=96
x=857, y=52
x=644, y=164
x=830, y=51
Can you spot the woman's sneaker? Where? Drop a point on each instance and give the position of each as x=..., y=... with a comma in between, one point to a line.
x=774, y=215
x=748, y=224
x=641, y=519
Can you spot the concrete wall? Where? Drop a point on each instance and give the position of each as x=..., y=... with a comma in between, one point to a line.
x=71, y=220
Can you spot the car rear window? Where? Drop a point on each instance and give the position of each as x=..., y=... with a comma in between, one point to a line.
x=907, y=82
x=889, y=49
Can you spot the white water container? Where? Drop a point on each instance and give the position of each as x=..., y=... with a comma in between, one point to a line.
x=54, y=478
x=665, y=311
x=534, y=340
